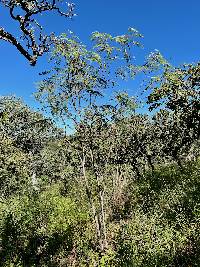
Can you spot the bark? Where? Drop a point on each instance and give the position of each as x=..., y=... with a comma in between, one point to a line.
x=88, y=192
x=102, y=214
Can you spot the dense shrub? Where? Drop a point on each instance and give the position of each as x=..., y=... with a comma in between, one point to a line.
x=38, y=229
x=164, y=227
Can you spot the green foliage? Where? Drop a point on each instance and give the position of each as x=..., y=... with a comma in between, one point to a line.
x=36, y=229
x=80, y=75
x=123, y=189
x=177, y=88
x=29, y=130
x=13, y=175
x=164, y=227
x=25, y=135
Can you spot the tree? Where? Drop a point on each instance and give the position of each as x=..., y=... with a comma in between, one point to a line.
x=72, y=89
x=32, y=43
x=176, y=93
x=26, y=133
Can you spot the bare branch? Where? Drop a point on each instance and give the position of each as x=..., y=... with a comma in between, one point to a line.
x=34, y=42
x=11, y=39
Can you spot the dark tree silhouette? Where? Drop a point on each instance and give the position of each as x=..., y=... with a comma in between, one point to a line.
x=33, y=41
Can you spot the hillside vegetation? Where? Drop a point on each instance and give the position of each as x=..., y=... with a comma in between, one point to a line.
x=123, y=189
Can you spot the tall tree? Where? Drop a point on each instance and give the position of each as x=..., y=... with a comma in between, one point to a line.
x=79, y=78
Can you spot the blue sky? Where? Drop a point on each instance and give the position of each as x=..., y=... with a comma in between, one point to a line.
x=171, y=26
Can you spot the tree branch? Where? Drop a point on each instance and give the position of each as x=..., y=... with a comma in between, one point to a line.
x=11, y=39
x=34, y=46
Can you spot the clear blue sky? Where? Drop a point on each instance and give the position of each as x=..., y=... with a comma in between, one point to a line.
x=171, y=26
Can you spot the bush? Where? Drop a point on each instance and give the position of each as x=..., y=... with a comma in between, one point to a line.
x=38, y=229
x=164, y=228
